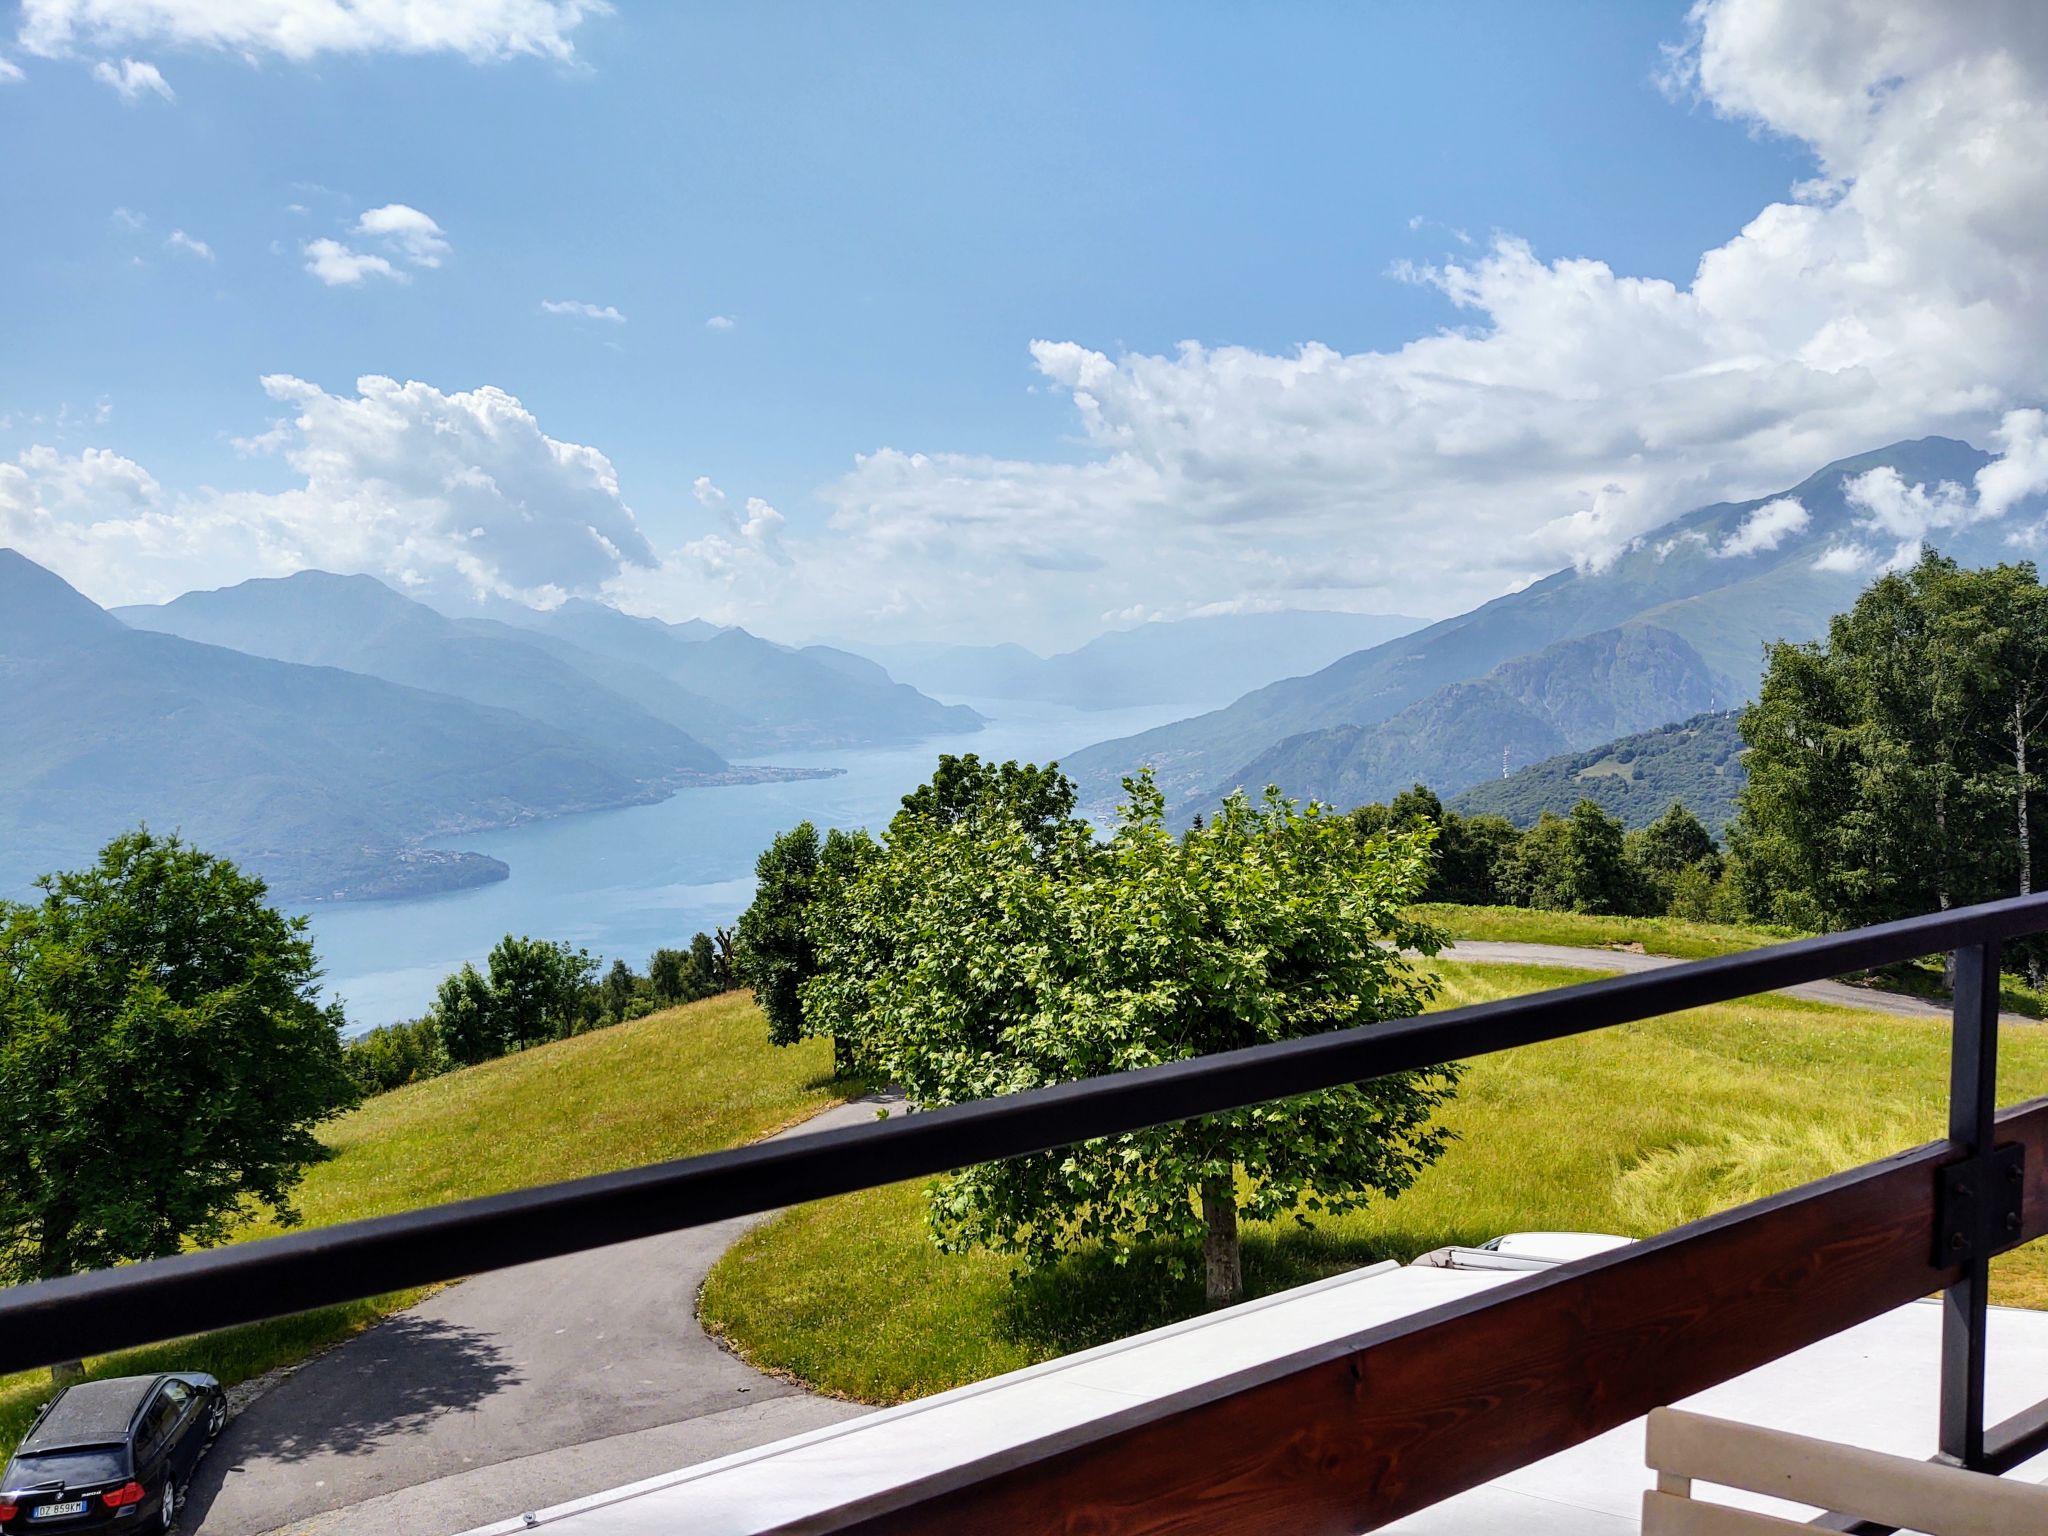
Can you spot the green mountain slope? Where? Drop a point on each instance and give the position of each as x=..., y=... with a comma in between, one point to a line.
x=1635, y=778
x=359, y=624
x=1571, y=694
x=1682, y=578
x=325, y=781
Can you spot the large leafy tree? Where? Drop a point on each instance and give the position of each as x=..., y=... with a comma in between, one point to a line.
x=1892, y=767
x=992, y=944
x=774, y=951
x=163, y=1059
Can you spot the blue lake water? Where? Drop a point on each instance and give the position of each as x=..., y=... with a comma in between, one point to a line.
x=621, y=883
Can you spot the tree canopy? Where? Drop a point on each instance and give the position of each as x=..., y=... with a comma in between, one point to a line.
x=990, y=943
x=162, y=1056
x=1893, y=766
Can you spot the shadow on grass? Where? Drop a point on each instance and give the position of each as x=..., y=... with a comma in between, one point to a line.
x=1089, y=1299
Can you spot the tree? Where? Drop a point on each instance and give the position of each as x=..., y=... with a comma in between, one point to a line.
x=1594, y=875
x=164, y=1057
x=618, y=987
x=668, y=974
x=774, y=951
x=538, y=990
x=1674, y=841
x=1890, y=767
x=992, y=944
x=466, y=1018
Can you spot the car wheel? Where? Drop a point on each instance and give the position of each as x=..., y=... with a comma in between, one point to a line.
x=167, y=1512
x=217, y=1417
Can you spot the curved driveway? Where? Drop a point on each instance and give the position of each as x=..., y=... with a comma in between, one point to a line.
x=510, y=1391
x=525, y=1387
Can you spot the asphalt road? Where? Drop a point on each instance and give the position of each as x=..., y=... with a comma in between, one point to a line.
x=509, y=1392
x=1507, y=952
x=526, y=1387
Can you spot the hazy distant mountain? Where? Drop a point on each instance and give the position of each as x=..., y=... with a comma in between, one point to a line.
x=1636, y=778
x=359, y=624
x=1180, y=661
x=1688, y=578
x=771, y=695
x=1572, y=694
x=325, y=781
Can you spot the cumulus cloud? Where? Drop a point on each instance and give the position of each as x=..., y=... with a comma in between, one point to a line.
x=444, y=493
x=1910, y=516
x=582, y=311
x=190, y=245
x=133, y=79
x=10, y=71
x=300, y=30
x=1765, y=528
x=406, y=232
x=340, y=266
x=720, y=323
x=1891, y=292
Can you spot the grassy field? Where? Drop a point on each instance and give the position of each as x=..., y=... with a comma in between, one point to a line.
x=1630, y=1130
x=1686, y=941
x=1653, y=935
x=688, y=1080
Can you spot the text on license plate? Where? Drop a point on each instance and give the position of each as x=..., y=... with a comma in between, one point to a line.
x=49, y=1511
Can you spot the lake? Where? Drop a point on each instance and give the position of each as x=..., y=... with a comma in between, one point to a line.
x=622, y=883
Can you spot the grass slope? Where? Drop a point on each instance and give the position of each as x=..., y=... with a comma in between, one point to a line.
x=1630, y=1130
x=689, y=1080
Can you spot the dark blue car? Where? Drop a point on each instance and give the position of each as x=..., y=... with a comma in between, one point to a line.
x=112, y=1455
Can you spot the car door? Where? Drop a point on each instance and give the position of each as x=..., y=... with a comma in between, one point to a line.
x=181, y=1431
x=150, y=1440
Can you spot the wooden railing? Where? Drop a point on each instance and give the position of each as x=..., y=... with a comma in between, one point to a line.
x=1346, y=1437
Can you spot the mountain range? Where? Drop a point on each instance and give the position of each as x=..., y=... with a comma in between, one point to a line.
x=1208, y=660
x=1690, y=608
x=327, y=731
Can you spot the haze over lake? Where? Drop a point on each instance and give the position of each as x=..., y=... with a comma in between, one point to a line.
x=620, y=883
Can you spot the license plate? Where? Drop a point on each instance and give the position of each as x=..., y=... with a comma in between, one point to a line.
x=52, y=1511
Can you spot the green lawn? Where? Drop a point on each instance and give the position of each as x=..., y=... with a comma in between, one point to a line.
x=1583, y=930
x=1687, y=941
x=1629, y=1130
x=688, y=1080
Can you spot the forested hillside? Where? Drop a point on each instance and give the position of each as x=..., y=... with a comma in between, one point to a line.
x=1697, y=762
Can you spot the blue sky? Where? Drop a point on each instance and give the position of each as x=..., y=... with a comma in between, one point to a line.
x=889, y=204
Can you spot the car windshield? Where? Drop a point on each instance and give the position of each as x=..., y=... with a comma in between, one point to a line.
x=74, y=1468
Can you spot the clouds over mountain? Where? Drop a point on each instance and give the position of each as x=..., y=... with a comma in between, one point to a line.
x=435, y=492
x=1895, y=293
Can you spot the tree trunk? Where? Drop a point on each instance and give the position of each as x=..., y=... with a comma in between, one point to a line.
x=2019, y=761
x=1221, y=1256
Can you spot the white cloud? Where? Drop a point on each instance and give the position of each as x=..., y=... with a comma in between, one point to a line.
x=448, y=493
x=300, y=30
x=720, y=323
x=338, y=266
x=180, y=241
x=1892, y=292
x=406, y=232
x=1848, y=558
x=10, y=72
x=1765, y=528
x=2021, y=470
x=133, y=79
x=128, y=218
x=582, y=311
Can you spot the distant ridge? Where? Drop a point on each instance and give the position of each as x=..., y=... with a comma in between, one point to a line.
x=1692, y=578
x=1698, y=761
